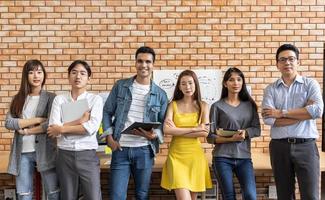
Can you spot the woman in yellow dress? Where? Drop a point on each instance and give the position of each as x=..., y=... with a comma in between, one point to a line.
x=186, y=170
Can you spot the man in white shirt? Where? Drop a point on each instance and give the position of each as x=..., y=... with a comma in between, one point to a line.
x=77, y=161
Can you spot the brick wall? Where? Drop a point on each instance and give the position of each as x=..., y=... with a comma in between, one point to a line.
x=205, y=34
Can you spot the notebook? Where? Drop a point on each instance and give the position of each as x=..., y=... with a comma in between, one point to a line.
x=74, y=110
x=227, y=133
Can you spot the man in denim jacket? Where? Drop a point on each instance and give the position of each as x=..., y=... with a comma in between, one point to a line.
x=136, y=99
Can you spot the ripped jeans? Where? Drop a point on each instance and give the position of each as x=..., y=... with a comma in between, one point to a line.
x=24, y=181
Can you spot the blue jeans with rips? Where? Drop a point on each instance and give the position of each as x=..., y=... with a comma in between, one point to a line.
x=135, y=161
x=24, y=181
x=224, y=169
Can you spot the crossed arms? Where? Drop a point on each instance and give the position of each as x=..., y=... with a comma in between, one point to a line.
x=312, y=108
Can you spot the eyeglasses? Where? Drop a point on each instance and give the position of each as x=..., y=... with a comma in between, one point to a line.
x=283, y=60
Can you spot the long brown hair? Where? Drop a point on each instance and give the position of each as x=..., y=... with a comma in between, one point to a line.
x=178, y=94
x=18, y=101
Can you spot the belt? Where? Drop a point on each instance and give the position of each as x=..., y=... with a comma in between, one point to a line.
x=295, y=140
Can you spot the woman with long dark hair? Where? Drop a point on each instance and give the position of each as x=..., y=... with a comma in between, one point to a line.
x=28, y=117
x=186, y=170
x=235, y=122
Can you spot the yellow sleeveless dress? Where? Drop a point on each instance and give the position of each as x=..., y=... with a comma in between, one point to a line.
x=186, y=165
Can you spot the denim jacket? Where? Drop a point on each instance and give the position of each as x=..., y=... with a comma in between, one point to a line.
x=45, y=147
x=118, y=104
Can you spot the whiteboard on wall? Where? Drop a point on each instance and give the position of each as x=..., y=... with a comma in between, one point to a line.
x=210, y=82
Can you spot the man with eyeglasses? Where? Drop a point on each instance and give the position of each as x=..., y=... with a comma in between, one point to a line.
x=291, y=106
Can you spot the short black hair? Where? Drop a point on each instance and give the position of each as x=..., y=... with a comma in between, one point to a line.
x=285, y=47
x=81, y=62
x=146, y=49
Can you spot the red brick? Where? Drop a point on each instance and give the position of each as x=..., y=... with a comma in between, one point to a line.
x=185, y=34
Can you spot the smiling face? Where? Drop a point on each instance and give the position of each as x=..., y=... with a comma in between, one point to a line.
x=36, y=77
x=234, y=84
x=144, y=65
x=287, y=63
x=187, y=85
x=78, y=77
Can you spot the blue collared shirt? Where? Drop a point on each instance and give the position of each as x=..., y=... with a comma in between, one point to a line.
x=279, y=96
x=118, y=104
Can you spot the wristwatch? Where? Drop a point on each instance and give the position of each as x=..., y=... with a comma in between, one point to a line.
x=284, y=113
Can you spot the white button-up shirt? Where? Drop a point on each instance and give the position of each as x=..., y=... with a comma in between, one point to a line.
x=75, y=142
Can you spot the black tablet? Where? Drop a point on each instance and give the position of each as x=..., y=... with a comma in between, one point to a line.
x=144, y=125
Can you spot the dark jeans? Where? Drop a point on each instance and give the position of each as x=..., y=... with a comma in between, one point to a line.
x=243, y=169
x=137, y=161
x=290, y=160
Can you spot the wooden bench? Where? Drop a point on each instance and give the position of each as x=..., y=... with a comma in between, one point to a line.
x=4, y=159
x=261, y=161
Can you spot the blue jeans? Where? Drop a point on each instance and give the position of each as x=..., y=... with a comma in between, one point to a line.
x=137, y=161
x=243, y=168
x=24, y=181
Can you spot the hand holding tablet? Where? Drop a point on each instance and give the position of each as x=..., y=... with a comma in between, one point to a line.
x=144, y=125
